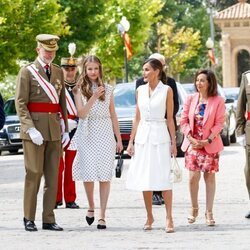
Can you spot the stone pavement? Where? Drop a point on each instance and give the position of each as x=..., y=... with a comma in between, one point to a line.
x=126, y=214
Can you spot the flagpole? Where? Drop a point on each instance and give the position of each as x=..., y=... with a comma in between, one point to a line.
x=123, y=27
x=125, y=63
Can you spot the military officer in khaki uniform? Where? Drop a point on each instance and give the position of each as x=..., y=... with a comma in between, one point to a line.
x=243, y=124
x=41, y=106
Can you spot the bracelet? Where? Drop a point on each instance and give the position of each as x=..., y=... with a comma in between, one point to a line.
x=209, y=140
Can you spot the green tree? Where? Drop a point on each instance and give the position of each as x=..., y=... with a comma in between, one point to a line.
x=86, y=26
x=177, y=45
x=223, y=4
x=185, y=14
x=20, y=22
x=94, y=29
x=141, y=15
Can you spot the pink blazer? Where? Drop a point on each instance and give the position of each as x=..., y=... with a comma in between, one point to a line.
x=213, y=121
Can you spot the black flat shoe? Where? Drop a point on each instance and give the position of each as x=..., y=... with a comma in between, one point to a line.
x=72, y=205
x=101, y=224
x=52, y=226
x=91, y=219
x=59, y=203
x=247, y=216
x=29, y=225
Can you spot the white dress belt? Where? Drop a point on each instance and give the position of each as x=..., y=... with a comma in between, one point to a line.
x=153, y=120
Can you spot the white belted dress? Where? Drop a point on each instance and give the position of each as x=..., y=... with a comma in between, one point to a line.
x=150, y=166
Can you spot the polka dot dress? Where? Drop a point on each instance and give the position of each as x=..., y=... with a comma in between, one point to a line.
x=95, y=143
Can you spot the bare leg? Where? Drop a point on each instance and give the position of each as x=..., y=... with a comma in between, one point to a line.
x=210, y=190
x=104, y=194
x=168, y=200
x=194, y=178
x=147, y=196
x=89, y=189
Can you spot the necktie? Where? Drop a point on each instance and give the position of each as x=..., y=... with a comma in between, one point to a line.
x=47, y=70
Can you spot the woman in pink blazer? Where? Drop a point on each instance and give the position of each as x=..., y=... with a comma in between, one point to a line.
x=201, y=122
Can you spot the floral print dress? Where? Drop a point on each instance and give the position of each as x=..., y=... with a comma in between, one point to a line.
x=199, y=159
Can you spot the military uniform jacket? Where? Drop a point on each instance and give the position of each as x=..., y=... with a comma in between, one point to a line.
x=29, y=90
x=243, y=106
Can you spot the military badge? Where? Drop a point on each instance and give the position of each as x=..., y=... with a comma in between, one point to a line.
x=58, y=86
x=38, y=89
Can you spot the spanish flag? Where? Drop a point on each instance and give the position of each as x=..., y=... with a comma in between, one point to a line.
x=211, y=56
x=128, y=46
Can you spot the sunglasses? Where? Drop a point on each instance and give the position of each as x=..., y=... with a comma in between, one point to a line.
x=202, y=109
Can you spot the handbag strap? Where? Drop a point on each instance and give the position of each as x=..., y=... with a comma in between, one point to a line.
x=175, y=160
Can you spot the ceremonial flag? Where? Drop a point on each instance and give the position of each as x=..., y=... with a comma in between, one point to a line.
x=211, y=56
x=128, y=46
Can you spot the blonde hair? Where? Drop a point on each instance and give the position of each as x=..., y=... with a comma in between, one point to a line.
x=85, y=83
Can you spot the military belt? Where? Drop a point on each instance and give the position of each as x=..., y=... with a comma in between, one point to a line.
x=43, y=107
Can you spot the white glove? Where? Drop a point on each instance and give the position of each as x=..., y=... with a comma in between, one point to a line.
x=62, y=125
x=242, y=140
x=35, y=136
x=65, y=139
x=72, y=124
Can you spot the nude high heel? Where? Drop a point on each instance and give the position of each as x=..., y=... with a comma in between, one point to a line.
x=148, y=225
x=209, y=219
x=170, y=226
x=193, y=214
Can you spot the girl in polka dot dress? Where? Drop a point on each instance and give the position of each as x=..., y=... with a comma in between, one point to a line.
x=94, y=139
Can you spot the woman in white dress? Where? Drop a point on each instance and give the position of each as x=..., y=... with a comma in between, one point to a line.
x=94, y=139
x=152, y=141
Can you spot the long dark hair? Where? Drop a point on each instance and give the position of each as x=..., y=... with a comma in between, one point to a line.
x=84, y=81
x=156, y=64
x=212, y=82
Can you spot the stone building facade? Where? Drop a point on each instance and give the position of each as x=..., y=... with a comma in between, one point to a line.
x=235, y=27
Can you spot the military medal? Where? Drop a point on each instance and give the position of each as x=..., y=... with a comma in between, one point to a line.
x=70, y=85
x=38, y=89
x=58, y=86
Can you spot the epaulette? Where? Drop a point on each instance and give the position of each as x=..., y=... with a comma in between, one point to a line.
x=56, y=65
x=26, y=65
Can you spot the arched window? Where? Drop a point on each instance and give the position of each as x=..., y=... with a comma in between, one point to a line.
x=243, y=59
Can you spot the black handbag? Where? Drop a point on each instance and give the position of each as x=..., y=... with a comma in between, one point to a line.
x=119, y=166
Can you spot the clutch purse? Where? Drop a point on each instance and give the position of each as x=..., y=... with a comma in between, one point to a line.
x=176, y=171
x=119, y=166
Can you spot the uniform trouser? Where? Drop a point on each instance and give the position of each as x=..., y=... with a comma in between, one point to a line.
x=39, y=161
x=65, y=182
x=247, y=169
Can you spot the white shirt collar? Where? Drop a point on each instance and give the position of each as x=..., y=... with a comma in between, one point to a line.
x=41, y=62
x=159, y=85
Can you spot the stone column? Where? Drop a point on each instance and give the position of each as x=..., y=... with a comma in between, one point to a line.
x=226, y=60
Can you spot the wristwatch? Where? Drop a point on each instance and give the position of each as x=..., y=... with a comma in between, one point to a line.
x=209, y=140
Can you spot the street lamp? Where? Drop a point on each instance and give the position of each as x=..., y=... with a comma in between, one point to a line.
x=209, y=43
x=210, y=52
x=123, y=27
x=210, y=11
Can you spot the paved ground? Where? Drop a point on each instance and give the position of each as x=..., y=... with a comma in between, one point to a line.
x=126, y=214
